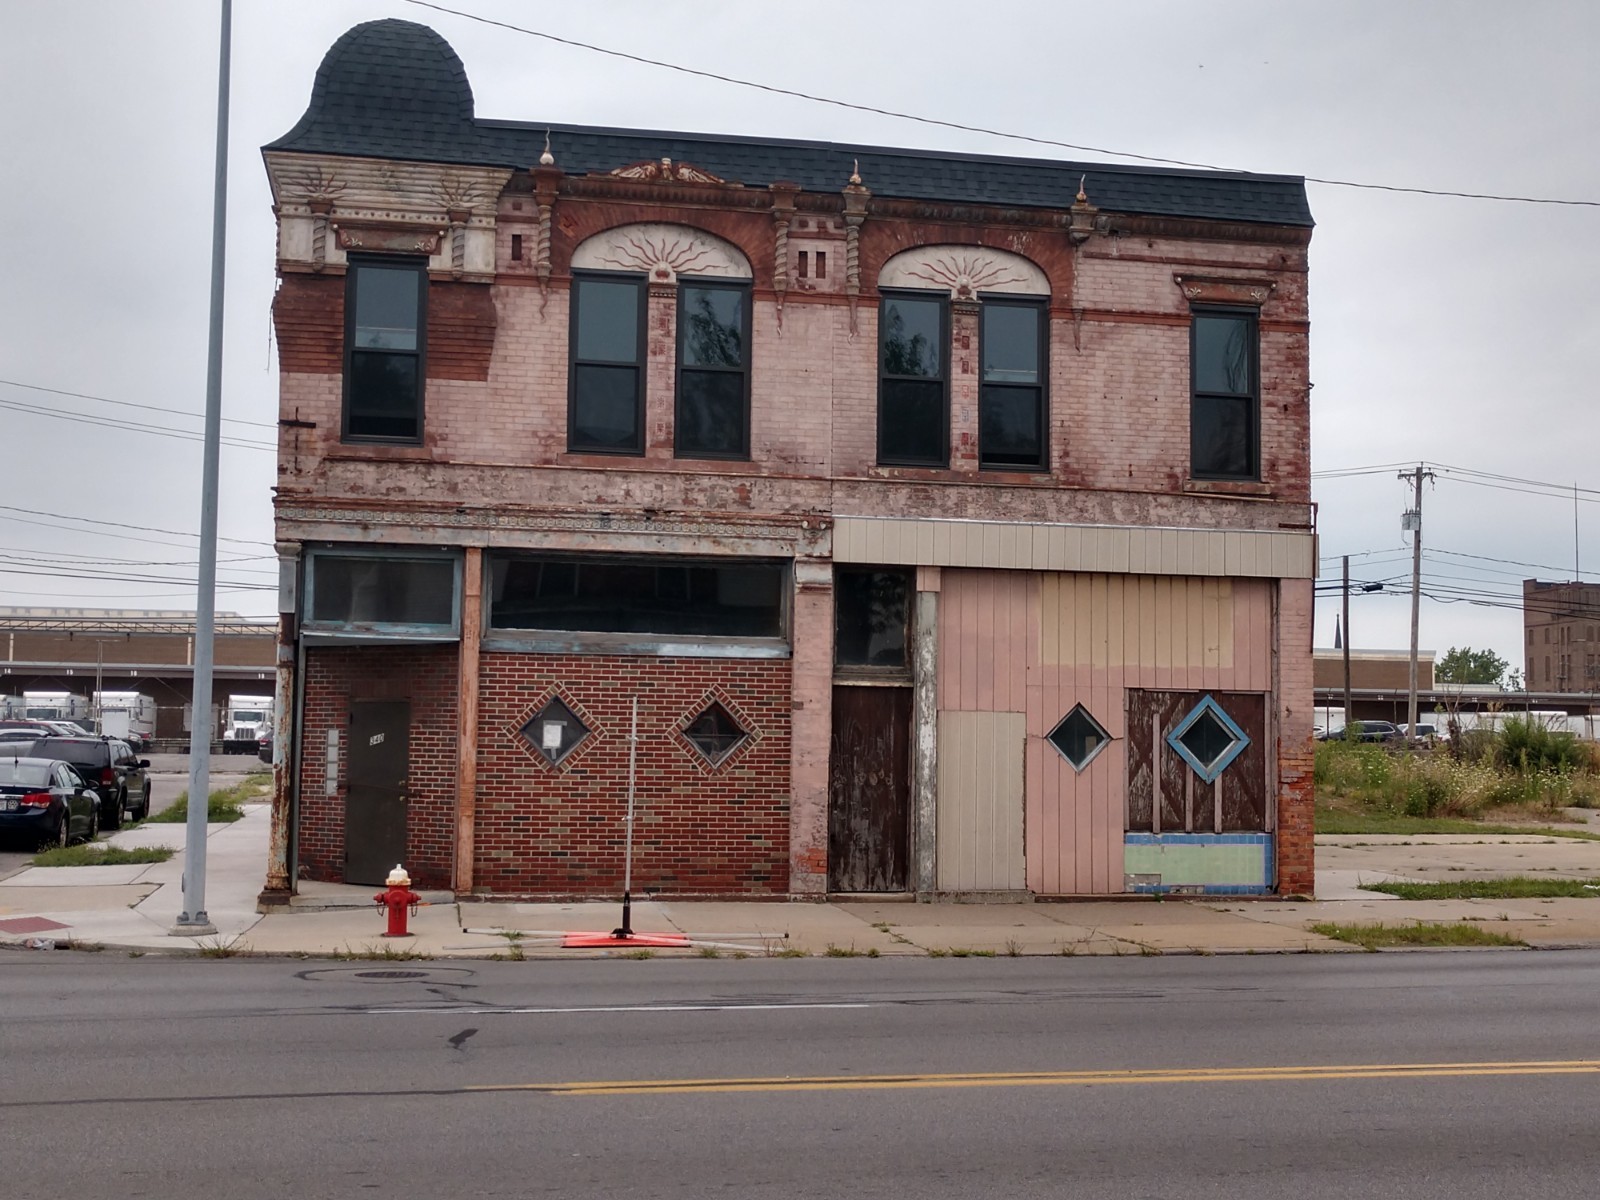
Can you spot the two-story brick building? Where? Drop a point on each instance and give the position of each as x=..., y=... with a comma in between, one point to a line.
x=944, y=518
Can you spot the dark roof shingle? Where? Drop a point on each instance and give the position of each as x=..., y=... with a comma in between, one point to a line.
x=395, y=89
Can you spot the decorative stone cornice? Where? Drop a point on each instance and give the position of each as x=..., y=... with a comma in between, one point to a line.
x=1213, y=289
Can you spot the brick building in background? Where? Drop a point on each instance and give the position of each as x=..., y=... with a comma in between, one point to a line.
x=1561, y=645
x=947, y=517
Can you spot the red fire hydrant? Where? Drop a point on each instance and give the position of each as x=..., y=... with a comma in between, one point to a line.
x=399, y=900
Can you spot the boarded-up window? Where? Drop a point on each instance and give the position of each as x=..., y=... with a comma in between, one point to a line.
x=1167, y=795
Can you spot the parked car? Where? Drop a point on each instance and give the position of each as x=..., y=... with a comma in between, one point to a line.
x=264, y=747
x=24, y=726
x=122, y=781
x=1373, y=731
x=1427, y=732
x=46, y=802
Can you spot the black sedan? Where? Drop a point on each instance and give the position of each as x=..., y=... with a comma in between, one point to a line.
x=109, y=765
x=46, y=802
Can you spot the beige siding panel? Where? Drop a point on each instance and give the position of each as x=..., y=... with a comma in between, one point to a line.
x=980, y=810
x=924, y=538
x=941, y=544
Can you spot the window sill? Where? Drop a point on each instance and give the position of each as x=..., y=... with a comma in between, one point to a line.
x=555, y=641
x=1229, y=487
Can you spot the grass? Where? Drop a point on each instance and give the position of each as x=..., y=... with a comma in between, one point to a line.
x=1337, y=818
x=386, y=953
x=1423, y=933
x=98, y=854
x=1509, y=776
x=1517, y=887
x=224, y=805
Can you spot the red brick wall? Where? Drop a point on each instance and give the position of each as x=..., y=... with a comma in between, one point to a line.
x=423, y=675
x=559, y=831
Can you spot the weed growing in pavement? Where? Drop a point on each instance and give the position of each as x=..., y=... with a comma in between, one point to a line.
x=1013, y=948
x=1423, y=933
x=1148, y=952
x=220, y=947
x=99, y=854
x=841, y=952
x=709, y=952
x=371, y=953
x=135, y=953
x=640, y=953
x=966, y=952
x=789, y=952
x=86, y=947
x=740, y=954
x=934, y=952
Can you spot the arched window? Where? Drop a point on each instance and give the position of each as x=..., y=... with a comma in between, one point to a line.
x=611, y=273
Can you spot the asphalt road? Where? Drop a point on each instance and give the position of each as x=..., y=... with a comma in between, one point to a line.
x=1314, y=1077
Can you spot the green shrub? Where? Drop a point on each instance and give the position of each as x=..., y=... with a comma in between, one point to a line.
x=1523, y=744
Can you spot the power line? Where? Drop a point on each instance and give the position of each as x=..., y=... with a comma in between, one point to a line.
x=119, y=525
x=130, y=426
x=182, y=412
x=1000, y=133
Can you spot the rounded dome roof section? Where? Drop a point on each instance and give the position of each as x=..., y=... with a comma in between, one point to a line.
x=379, y=71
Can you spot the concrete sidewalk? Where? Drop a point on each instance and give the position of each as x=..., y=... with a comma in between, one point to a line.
x=133, y=908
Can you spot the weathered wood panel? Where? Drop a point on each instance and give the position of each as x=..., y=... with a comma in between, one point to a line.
x=981, y=801
x=1187, y=804
x=869, y=786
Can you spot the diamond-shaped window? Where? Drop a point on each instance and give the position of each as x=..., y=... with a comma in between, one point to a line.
x=1079, y=737
x=555, y=731
x=715, y=733
x=1208, y=739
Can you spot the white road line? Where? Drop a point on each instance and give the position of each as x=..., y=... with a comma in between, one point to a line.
x=609, y=1008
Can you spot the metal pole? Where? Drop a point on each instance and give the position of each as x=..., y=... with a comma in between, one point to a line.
x=1347, y=641
x=193, y=919
x=1416, y=606
x=626, y=931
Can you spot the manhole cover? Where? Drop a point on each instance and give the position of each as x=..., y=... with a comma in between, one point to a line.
x=391, y=974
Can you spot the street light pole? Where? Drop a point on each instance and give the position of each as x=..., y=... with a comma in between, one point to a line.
x=193, y=919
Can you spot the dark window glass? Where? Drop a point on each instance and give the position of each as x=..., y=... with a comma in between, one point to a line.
x=713, y=375
x=384, y=336
x=1225, y=408
x=368, y=590
x=912, y=404
x=1079, y=737
x=871, y=613
x=637, y=595
x=1011, y=411
x=715, y=733
x=607, y=365
x=555, y=730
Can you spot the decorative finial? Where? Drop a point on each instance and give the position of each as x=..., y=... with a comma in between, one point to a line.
x=547, y=159
x=1083, y=196
x=855, y=173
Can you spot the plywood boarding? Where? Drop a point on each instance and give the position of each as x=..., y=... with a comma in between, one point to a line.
x=1067, y=639
x=981, y=801
x=1111, y=549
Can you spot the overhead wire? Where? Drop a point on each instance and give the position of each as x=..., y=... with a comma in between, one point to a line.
x=182, y=412
x=967, y=128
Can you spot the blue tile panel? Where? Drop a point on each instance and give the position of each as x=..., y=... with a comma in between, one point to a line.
x=1218, y=864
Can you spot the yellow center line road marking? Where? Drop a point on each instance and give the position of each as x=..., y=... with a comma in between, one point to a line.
x=857, y=1083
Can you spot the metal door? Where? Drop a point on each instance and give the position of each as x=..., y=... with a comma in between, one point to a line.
x=375, y=797
x=869, y=790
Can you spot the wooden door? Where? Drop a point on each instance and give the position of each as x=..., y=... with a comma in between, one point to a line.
x=869, y=790
x=375, y=798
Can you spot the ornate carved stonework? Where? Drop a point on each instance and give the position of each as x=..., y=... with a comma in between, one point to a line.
x=401, y=239
x=1210, y=289
x=664, y=170
x=565, y=523
x=964, y=271
x=663, y=252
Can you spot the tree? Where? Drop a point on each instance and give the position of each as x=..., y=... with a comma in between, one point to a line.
x=1462, y=664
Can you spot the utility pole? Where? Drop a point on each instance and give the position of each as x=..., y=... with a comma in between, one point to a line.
x=1347, y=641
x=193, y=919
x=1412, y=520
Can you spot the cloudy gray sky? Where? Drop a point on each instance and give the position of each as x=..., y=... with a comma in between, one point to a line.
x=1459, y=332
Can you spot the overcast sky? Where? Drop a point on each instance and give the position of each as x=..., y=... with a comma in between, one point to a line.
x=1463, y=333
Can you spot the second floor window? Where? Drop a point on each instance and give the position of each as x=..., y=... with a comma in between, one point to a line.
x=606, y=402
x=913, y=397
x=385, y=332
x=713, y=409
x=1224, y=416
x=1011, y=410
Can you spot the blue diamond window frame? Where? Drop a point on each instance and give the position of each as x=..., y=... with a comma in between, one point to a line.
x=1240, y=739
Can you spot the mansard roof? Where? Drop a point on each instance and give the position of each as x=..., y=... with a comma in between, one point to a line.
x=396, y=90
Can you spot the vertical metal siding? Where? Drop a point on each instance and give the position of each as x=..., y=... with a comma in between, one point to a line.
x=981, y=801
